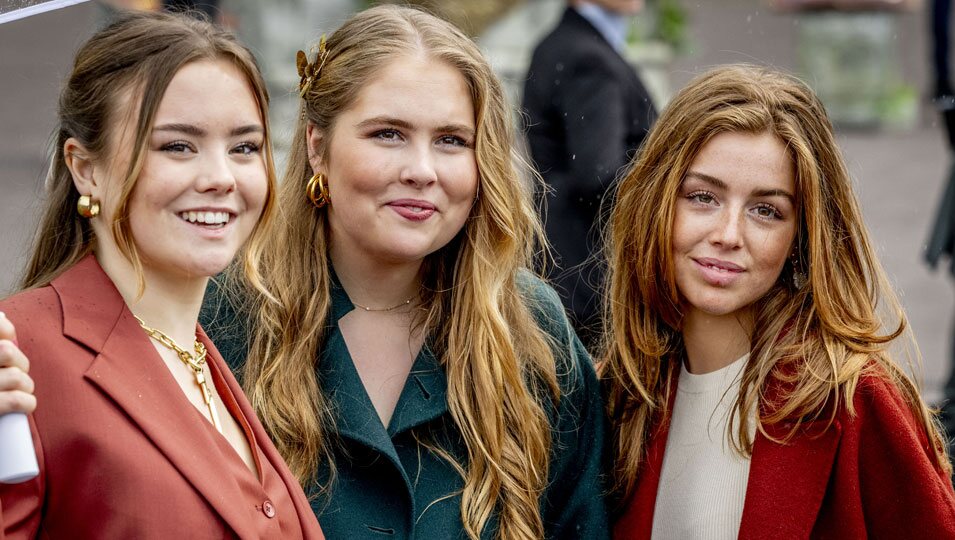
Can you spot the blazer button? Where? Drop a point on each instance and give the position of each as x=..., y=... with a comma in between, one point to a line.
x=268, y=509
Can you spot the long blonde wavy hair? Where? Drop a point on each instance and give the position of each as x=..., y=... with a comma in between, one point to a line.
x=500, y=365
x=140, y=52
x=815, y=342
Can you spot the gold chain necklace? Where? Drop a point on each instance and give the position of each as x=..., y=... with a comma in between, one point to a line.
x=392, y=308
x=196, y=363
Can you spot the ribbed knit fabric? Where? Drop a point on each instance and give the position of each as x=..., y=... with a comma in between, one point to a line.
x=703, y=481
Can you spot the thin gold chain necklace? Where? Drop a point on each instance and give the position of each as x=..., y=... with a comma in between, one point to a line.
x=392, y=308
x=196, y=363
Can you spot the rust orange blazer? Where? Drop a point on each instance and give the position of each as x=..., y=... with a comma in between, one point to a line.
x=866, y=476
x=122, y=452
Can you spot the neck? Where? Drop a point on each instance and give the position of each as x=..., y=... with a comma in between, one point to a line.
x=169, y=303
x=715, y=341
x=374, y=284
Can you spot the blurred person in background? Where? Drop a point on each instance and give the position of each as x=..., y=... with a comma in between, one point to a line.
x=588, y=112
x=941, y=243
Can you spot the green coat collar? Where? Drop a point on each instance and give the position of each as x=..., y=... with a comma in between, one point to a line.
x=423, y=398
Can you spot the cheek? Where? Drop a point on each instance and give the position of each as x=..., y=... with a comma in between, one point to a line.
x=466, y=188
x=687, y=231
x=255, y=187
x=355, y=181
x=774, y=252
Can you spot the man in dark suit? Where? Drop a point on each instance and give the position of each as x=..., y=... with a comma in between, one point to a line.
x=588, y=113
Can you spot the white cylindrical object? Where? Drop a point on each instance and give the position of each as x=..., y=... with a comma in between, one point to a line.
x=17, y=456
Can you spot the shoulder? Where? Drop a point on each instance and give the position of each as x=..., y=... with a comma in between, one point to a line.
x=56, y=358
x=575, y=369
x=225, y=322
x=31, y=300
x=545, y=306
x=878, y=398
x=34, y=311
x=572, y=46
x=881, y=426
x=891, y=462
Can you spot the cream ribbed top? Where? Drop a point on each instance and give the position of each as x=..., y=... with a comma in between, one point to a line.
x=703, y=481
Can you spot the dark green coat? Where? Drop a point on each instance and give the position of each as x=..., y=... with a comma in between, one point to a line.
x=388, y=485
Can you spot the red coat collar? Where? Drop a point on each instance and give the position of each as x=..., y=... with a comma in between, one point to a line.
x=128, y=369
x=784, y=493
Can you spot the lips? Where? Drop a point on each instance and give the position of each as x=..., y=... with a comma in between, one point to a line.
x=413, y=209
x=718, y=272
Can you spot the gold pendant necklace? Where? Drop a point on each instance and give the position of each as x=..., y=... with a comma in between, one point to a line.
x=196, y=363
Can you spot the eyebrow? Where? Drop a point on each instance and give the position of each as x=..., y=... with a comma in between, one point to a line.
x=398, y=122
x=196, y=131
x=759, y=192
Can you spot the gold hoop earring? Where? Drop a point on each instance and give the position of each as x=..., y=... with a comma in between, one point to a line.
x=317, y=183
x=87, y=206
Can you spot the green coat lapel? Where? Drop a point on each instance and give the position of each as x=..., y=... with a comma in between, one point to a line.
x=424, y=397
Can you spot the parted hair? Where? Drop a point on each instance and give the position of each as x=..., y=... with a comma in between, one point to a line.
x=137, y=55
x=499, y=364
x=810, y=345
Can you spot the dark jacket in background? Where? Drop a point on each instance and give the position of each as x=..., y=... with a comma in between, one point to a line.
x=588, y=114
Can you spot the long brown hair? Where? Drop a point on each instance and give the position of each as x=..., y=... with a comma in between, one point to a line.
x=499, y=363
x=815, y=341
x=139, y=53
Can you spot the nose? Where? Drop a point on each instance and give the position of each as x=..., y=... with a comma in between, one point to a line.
x=216, y=174
x=419, y=170
x=728, y=230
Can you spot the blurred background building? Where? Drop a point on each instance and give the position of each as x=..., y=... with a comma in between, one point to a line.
x=868, y=59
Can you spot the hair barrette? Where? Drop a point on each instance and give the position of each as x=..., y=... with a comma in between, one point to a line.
x=310, y=71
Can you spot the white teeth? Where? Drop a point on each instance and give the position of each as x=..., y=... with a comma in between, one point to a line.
x=207, y=218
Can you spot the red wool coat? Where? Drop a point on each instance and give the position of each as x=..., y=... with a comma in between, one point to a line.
x=122, y=451
x=866, y=476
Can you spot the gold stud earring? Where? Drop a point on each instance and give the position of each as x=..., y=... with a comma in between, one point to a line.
x=87, y=206
x=317, y=183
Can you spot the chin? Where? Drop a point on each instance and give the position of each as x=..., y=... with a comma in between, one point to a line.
x=207, y=266
x=715, y=306
x=409, y=251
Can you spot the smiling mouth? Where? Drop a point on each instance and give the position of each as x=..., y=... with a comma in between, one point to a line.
x=214, y=220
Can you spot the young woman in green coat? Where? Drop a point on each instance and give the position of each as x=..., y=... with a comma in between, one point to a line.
x=419, y=380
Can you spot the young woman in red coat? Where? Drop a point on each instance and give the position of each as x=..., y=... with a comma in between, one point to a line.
x=161, y=175
x=751, y=385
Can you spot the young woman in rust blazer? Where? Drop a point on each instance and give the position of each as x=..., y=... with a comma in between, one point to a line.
x=751, y=388
x=162, y=172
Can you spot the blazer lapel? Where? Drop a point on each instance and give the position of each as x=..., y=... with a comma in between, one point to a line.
x=637, y=519
x=128, y=369
x=787, y=482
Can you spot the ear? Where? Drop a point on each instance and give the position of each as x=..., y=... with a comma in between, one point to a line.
x=80, y=163
x=314, y=138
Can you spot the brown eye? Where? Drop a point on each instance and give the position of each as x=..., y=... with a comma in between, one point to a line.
x=177, y=147
x=246, y=148
x=767, y=211
x=702, y=197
